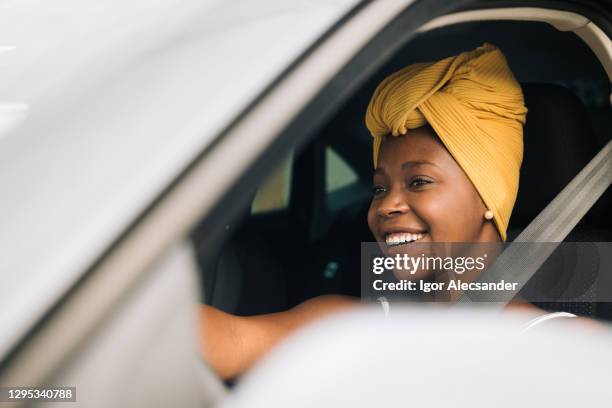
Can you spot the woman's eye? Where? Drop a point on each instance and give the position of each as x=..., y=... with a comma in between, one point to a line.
x=419, y=182
x=377, y=190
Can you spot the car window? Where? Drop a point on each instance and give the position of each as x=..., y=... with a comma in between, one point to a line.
x=343, y=187
x=273, y=194
x=338, y=173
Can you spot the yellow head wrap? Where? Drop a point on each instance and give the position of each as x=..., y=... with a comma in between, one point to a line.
x=475, y=106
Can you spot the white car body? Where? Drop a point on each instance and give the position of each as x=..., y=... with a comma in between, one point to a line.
x=103, y=107
x=107, y=103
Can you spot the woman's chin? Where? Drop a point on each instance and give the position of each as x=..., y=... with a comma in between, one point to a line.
x=410, y=257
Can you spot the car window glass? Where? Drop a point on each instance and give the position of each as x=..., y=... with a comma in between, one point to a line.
x=273, y=193
x=338, y=174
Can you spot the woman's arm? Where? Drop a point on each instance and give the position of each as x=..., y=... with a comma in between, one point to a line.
x=231, y=344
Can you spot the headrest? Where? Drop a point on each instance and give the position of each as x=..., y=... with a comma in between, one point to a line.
x=558, y=142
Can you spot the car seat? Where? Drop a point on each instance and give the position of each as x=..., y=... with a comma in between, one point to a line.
x=559, y=141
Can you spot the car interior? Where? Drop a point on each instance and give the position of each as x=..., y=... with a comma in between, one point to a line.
x=301, y=236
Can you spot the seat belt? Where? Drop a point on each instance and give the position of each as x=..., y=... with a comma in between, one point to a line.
x=519, y=262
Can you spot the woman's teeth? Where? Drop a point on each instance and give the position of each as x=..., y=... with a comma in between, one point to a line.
x=400, y=238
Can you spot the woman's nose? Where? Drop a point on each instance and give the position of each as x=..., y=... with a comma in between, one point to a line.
x=392, y=204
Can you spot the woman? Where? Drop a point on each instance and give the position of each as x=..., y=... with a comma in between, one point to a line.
x=447, y=151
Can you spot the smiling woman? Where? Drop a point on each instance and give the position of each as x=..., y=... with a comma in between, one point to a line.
x=447, y=152
x=475, y=106
x=420, y=189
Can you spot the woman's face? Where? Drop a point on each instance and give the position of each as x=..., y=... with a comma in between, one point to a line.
x=420, y=190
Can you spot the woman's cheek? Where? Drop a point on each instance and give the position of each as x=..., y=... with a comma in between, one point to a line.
x=429, y=208
x=440, y=214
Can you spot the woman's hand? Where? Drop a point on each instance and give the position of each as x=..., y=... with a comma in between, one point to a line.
x=232, y=344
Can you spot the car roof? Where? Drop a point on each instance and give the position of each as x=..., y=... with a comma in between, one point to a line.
x=102, y=104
